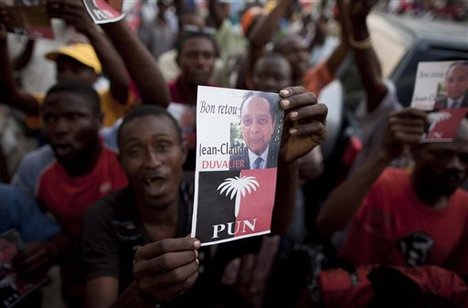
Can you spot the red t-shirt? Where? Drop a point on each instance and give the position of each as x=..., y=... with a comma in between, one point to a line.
x=67, y=198
x=393, y=227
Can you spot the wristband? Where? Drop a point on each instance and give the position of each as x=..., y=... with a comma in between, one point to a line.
x=363, y=44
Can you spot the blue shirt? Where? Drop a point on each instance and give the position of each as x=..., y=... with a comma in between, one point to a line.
x=21, y=212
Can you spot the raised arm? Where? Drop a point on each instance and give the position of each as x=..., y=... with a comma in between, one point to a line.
x=303, y=129
x=262, y=33
x=163, y=270
x=140, y=63
x=404, y=127
x=339, y=54
x=364, y=55
x=320, y=75
x=10, y=93
x=74, y=13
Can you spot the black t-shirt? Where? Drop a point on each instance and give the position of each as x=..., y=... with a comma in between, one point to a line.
x=112, y=232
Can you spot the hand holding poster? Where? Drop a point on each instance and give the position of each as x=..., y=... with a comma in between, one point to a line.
x=27, y=18
x=12, y=288
x=442, y=89
x=238, y=138
x=103, y=12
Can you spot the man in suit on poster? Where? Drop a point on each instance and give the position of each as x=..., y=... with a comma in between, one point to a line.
x=456, y=84
x=258, y=119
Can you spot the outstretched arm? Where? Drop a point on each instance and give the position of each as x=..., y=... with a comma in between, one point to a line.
x=364, y=55
x=259, y=36
x=10, y=94
x=336, y=58
x=404, y=127
x=163, y=270
x=140, y=63
x=303, y=129
x=74, y=13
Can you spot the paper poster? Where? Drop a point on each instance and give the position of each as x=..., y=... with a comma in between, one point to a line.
x=238, y=139
x=28, y=18
x=102, y=11
x=441, y=88
x=13, y=289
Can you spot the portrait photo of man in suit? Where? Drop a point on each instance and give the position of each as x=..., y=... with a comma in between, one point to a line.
x=456, y=87
x=259, y=114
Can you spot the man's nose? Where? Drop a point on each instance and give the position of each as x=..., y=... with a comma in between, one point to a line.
x=152, y=159
x=455, y=163
x=61, y=126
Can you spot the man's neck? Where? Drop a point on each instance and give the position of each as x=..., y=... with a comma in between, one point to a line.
x=160, y=222
x=86, y=162
x=188, y=91
x=429, y=198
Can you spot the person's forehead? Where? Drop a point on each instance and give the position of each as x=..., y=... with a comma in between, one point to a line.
x=66, y=101
x=458, y=144
x=459, y=69
x=257, y=103
x=64, y=60
x=141, y=127
x=198, y=43
x=273, y=65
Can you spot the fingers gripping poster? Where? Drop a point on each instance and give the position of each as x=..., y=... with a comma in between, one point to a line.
x=238, y=140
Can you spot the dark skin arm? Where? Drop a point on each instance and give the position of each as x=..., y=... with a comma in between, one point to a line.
x=23, y=59
x=303, y=129
x=259, y=36
x=336, y=58
x=140, y=63
x=75, y=14
x=365, y=58
x=10, y=93
x=37, y=257
x=405, y=127
x=163, y=270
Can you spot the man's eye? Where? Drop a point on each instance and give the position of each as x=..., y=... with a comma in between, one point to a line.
x=162, y=147
x=49, y=119
x=246, y=122
x=134, y=152
x=73, y=116
x=262, y=121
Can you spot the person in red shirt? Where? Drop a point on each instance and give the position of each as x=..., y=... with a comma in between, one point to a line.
x=401, y=217
x=66, y=176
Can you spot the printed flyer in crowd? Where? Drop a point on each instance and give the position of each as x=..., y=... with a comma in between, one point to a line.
x=238, y=139
x=441, y=89
x=12, y=288
x=102, y=11
x=28, y=18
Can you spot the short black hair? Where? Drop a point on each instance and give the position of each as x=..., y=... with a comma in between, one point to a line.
x=142, y=110
x=187, y=35
x=80, y=88
x=272, y=98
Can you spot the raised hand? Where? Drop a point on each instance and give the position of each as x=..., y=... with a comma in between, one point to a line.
x=404, y=127
x=166, y=268
x=304, y=123
x=34, y=260
x=73, y=12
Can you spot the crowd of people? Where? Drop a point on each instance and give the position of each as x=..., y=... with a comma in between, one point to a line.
x=105, y=188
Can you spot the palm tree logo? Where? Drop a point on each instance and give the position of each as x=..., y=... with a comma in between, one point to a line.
x=238, y=186
x=435, y=118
